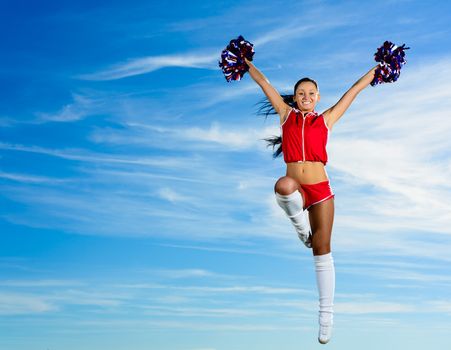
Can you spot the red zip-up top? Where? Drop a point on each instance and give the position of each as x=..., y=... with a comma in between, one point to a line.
x=304, y=137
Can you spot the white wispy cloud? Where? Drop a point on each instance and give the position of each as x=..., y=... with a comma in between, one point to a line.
x=193, y=325
x=191, y=274
x=87, y=297
x=19, y=304
x=235, y=289
x=92, y=157
x=17, y=263
x=52, y=296
x=40, y=283
x=235, y=251
x=439, y=306
x=7, y=121
x=427, y=277
x=149, y=64
x=30, y=178
x=372, y=308
x=223, y=137
x=81, y=107
x=202, y=312
x=171, y=195
x=185, y=273
x=313, y=22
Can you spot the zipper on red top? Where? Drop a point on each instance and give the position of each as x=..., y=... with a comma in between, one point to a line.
x=303, y=140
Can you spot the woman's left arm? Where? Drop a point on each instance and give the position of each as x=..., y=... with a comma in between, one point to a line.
x=335, y=112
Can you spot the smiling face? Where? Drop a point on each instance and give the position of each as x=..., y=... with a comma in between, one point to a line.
x=306, y=96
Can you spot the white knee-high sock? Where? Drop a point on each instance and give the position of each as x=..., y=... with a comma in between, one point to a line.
x=325, y=278
x=293, y=206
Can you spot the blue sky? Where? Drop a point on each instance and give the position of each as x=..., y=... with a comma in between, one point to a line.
x=136, y=194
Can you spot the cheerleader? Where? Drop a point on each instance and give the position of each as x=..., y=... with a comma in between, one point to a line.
x=303, y=141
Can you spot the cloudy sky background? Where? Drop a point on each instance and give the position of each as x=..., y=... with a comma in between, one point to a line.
x=136, y=193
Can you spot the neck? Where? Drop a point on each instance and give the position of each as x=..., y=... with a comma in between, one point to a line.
x=305, y=112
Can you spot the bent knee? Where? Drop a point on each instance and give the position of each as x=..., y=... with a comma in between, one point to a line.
x=286, y=185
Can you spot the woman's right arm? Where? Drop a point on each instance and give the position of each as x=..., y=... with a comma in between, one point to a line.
x=273, y=96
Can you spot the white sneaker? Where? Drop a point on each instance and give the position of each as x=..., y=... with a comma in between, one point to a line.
x=325, y=333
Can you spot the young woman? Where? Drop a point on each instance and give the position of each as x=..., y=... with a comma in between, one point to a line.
x=306, y=185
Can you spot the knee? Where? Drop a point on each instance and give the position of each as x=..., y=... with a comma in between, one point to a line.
x=321, y=249
x=286, y=185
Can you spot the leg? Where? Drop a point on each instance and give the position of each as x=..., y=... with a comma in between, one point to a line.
x=321, y=218
x=291, y=201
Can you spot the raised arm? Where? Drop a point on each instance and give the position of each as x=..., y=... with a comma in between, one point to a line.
x=335, y=112
x=273, y=96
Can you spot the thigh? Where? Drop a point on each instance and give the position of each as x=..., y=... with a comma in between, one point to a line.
x=321, y=217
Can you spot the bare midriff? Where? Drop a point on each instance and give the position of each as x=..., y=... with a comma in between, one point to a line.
x=307, y=172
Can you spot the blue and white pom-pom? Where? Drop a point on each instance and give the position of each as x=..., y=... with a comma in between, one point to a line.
x=391, y=59
x=232, y=58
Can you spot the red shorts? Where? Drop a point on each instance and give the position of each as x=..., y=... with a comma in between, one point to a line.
x=316, y=193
